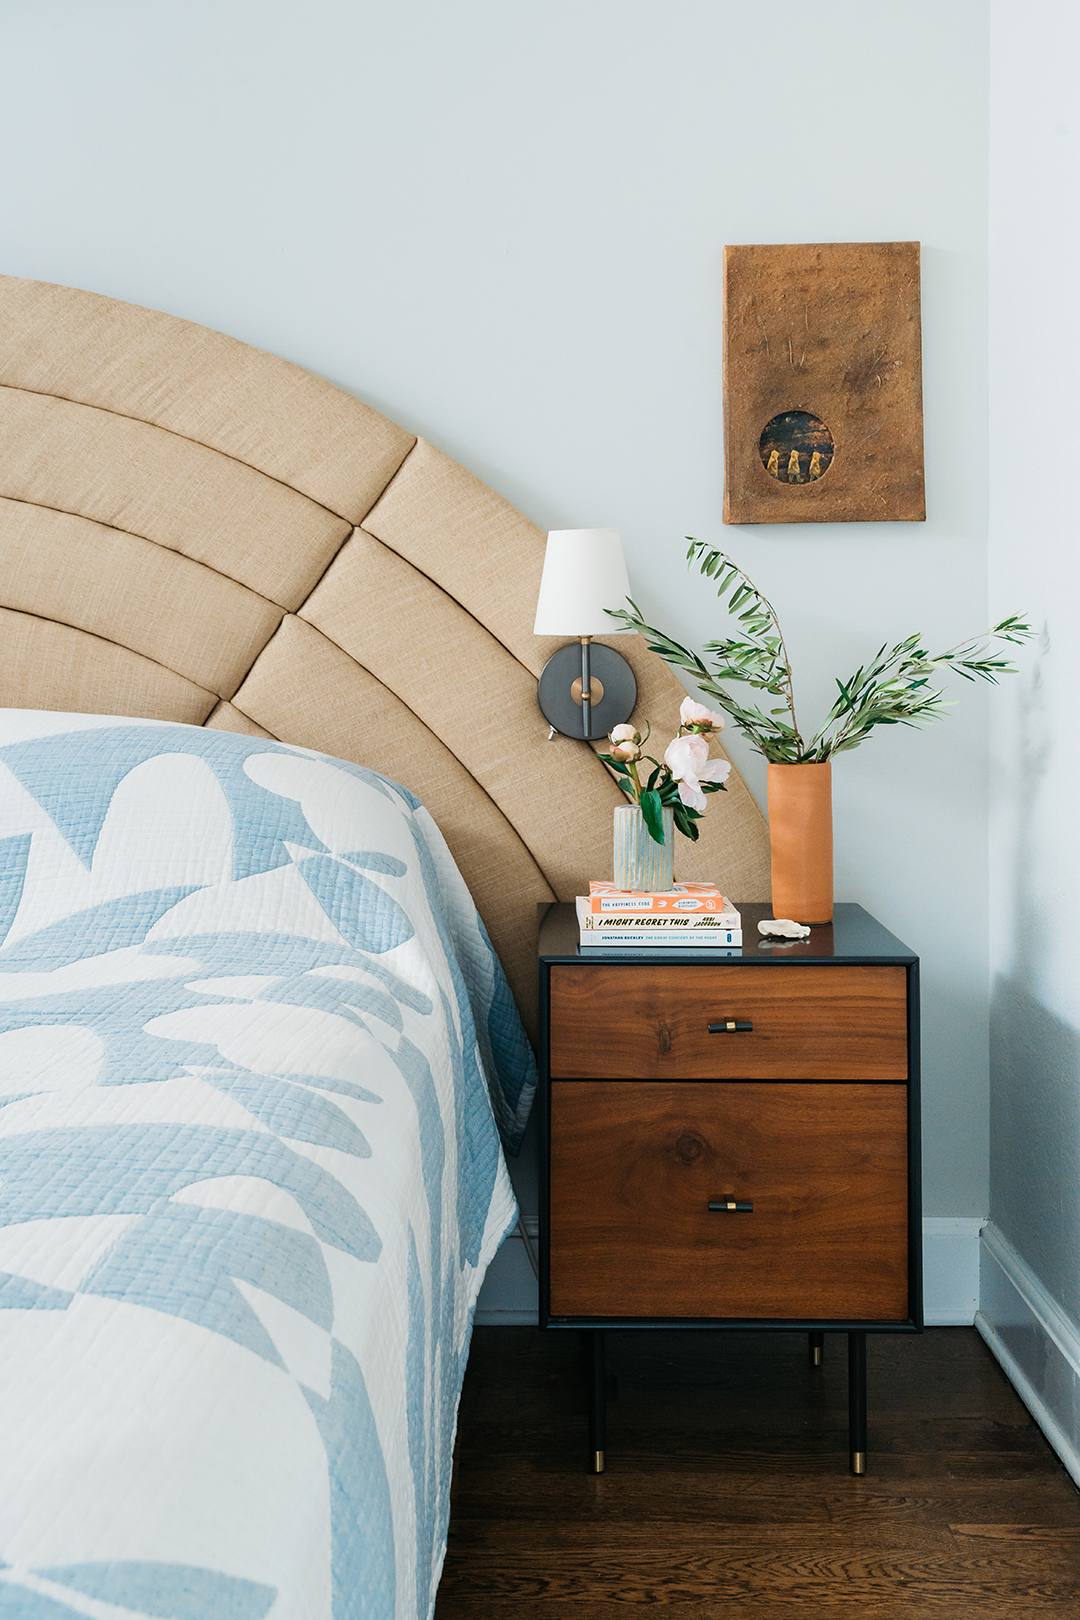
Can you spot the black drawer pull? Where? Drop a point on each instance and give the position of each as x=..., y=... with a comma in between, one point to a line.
x=730, y=1026
x=739, y=1206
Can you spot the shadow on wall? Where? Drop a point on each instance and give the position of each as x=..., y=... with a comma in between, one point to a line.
x=1035, y=1137
x=1034, y=1055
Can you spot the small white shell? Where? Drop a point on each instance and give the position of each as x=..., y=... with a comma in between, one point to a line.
x=782, y=928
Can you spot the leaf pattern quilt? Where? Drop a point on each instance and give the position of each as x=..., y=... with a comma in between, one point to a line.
x=255, y=1055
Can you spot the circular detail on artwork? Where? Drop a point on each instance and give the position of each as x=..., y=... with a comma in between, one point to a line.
x=796, y=448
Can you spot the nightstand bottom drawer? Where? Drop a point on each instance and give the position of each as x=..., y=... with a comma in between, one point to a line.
x=635, y=1166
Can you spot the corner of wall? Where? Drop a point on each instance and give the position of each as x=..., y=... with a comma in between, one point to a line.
x=1035, y=1341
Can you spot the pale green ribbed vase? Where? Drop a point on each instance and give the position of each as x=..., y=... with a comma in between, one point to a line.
x=640, y=862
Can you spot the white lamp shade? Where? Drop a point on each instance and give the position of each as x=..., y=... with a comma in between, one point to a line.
x=584, y=573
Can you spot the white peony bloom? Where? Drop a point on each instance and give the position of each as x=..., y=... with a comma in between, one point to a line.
x=688, y=760
x=624, y=734
x=691, y=794
x=684, y=755
x=715, y=770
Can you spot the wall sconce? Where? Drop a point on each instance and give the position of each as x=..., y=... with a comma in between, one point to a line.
x=584, y=690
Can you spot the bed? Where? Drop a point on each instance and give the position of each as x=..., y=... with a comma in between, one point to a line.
x=277, y=812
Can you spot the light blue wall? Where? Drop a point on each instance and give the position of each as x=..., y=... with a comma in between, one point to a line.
x=1035, y=559
x=501, y=222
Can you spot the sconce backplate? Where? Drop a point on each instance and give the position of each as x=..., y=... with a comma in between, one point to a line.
x=562, y=706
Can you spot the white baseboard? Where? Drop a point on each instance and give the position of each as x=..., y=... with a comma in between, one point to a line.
x=950, y=1265
x=1037, y=1344
x=950, y=1270
x=510, y=1296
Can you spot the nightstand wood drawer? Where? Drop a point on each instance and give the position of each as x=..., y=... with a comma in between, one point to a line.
x=651, y=1021
x=633, y=1169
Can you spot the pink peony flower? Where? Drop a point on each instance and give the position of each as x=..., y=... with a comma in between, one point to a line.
x=684, y=755
x=699, y=718
x=687, y=758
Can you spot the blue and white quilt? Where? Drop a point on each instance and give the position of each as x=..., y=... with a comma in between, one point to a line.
x=253, y=1046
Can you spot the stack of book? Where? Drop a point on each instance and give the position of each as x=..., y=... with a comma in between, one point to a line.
x=692, y=916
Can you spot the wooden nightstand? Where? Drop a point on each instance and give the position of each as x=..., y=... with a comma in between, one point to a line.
x=731, y=1142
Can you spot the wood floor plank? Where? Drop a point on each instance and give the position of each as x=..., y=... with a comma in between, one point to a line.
x=768, y=1561
x=841, y=1601
x=892, y=1603
x=694, y=1578
x=1067, y=1535
x=579, y=1541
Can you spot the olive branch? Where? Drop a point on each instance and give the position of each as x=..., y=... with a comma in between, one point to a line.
x=894, y=688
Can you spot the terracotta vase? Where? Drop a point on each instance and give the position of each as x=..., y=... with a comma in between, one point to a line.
x=640, y=862
x=800, y=836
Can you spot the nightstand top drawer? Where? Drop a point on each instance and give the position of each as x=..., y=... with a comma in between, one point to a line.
x=705, y=1021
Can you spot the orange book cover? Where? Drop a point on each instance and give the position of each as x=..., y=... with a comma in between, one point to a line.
x=683, y=899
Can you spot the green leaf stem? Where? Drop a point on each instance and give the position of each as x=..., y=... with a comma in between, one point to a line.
x=894, y=688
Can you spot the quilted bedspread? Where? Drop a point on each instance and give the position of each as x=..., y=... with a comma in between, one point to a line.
x=254, y=1043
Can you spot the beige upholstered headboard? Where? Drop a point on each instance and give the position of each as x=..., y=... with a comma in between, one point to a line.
x=191, y=529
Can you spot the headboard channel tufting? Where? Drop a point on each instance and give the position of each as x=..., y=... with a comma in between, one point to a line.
x=194, y=530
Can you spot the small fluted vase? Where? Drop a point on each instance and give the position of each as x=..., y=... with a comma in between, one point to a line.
x=640, y=862
x=801, y=842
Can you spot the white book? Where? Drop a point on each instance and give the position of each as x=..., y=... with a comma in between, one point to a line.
x=663, y=929
x=599, y=933
x=590, y=945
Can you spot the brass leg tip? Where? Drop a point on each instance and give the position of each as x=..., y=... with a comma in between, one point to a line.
x=598, y=1462
x=858, y=1462
x=816, y=1356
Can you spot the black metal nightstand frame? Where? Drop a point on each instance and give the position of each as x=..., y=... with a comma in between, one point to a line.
x=854, y=938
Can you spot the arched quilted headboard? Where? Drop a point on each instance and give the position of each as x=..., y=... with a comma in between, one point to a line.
x=191, y=529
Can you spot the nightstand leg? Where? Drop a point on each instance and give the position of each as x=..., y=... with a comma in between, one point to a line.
x=817, y=1349
x=597, y=1402
x=857, y=1401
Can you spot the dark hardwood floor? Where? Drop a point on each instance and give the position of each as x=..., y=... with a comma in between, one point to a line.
x=727, y=1485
